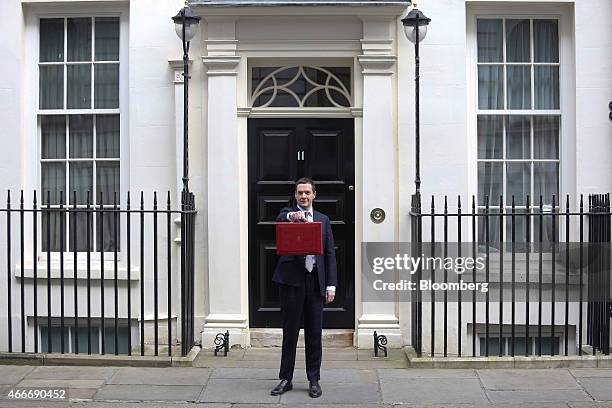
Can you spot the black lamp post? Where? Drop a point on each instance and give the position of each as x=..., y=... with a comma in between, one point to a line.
x=186, y=26
x=415, y=28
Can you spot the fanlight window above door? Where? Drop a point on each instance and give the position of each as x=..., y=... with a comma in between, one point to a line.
x=301, y=87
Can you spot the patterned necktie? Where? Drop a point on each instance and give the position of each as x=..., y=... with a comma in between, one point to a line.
x=310, y=259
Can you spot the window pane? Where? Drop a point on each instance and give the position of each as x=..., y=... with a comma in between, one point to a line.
x=78, y=230
x=53, y=185
x=490, y=87
x=79, y=86
x=51, y=39
x=53, y=181
x=519, y=346
x=546, y=82
x=519, y=87
x=106, y=86
x=490, y=37
x=51, y=85
x=284, y=99
x=105, y=223
x=546, y=40
x=343, y=74
x=107, y=39
x=107, y=179
x=490, y=130
x=520, y=229
x=52, y=237
x=56, y=333
x=493, y=346
x=53, y=137
x=547, y=236
x=489, y=182
x=546, y=181
x=122, y=334
x=81, y=136
x=257, y=76
x=518, y=129
x=107, y=136
x=518, y=182
x=492, y=224
x=550, y=345
x=79, y=39
x=83, y=339
x=81, y=181
x=517, y=41
x=546, y=137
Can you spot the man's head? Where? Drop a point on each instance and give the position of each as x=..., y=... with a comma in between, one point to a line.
x=305, y=192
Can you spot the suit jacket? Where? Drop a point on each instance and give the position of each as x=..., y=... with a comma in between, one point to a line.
x=290, y=269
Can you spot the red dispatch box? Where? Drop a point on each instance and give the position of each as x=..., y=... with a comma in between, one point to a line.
x=299, y=238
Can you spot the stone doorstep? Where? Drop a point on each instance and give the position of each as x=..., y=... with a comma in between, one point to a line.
x=599, y=361
x=331, y=338
x=55, y=359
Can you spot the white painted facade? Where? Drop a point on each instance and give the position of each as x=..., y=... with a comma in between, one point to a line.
x=368, y=39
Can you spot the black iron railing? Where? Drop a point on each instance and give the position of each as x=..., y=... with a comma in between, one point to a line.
x=554, y=258
x=95, y=258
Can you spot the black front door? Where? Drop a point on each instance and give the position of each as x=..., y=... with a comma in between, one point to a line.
x=280, y=151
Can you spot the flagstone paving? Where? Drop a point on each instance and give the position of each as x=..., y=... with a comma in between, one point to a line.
x=349, y=379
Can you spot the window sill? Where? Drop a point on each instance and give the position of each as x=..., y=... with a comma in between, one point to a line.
x=95, y=271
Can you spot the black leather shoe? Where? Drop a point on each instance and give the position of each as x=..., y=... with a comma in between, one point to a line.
x=282, y=387
x=315, y=390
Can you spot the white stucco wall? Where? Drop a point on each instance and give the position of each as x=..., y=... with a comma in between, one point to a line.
x=593, y=94
x=447, y=158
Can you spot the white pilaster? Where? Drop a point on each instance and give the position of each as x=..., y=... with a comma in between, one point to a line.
x=227, y=279
x=378, y=62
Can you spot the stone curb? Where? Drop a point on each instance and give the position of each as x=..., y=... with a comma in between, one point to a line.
x=598, y=361
x=53, y=359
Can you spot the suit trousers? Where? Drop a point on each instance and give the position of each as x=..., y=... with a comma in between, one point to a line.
x=302, y=303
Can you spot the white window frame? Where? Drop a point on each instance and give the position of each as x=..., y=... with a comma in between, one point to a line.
x=567, y=134
x=31, y=147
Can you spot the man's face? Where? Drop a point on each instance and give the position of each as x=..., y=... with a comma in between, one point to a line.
x=304, y=195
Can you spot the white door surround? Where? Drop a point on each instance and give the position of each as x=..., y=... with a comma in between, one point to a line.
x=235, y=39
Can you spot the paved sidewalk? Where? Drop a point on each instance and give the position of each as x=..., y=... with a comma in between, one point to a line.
x=349, y=378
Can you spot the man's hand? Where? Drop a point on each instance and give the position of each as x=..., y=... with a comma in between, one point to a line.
x=329, y=296
x=296, y=216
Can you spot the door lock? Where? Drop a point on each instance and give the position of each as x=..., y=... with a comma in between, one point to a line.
x=351, y=188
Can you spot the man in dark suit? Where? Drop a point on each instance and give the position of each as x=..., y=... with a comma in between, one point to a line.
x=306, y=283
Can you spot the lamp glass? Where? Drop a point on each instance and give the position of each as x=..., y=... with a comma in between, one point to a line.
x=190, y=30
x=411, y=33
